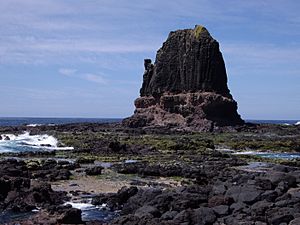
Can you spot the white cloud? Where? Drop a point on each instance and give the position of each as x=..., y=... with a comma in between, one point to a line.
x=244, y=58
x=32, y=50
x=67, y=71
x=95, y=78
x=42, y=32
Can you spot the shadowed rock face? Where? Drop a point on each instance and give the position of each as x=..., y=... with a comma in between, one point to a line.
x=189, y=61
x=186, y=86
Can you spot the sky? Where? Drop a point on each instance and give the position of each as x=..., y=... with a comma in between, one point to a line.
x=84, y=58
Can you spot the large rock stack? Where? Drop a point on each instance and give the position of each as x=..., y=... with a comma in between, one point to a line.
x=186, y=87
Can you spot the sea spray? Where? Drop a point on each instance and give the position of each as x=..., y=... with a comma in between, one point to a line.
x=26, y=142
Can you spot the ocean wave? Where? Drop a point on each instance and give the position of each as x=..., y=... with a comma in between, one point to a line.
x=34, y=125
x=27, y=142
x=298, y=123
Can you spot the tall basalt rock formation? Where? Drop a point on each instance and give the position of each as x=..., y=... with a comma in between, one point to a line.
x=186, y=86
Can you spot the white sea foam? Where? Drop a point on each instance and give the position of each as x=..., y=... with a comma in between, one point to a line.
x=85, y=205
x=298, y=123
x=80, y=205
x=249, y=153
x=91, y=212
x=9, y=136
x=246, y=153
x=226, y=150
x=252, y=153
x=37, y=140
x=25, y=142
x=34, y=125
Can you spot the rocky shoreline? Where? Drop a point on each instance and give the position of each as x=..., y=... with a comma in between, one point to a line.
x=152, y=176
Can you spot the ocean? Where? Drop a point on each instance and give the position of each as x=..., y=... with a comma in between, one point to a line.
x=35, y=121
x=283, y=122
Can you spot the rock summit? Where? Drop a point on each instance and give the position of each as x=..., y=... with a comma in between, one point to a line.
x=186, y=87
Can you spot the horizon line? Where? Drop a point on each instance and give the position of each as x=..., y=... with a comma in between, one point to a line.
x=114, y=118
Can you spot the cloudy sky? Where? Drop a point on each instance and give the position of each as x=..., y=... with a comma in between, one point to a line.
x=84, y=58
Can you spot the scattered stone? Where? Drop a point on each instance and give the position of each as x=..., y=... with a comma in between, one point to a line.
x=247, y=194
x=221, y=210
x=92, y=171
x=147, y=211
x=295, y=221
x=203, y=216
x=71, y=216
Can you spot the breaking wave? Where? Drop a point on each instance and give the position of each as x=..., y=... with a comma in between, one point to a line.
x=26, y=142
x=34, y=125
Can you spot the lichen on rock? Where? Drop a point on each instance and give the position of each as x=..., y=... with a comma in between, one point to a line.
x=198, y=29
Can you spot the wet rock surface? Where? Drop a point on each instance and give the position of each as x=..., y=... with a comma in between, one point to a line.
x=53, y=215
x=24, y=187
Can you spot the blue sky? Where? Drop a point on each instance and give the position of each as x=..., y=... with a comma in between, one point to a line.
x=84, y=58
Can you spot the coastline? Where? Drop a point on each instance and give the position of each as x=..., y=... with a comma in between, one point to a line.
x=156, y=159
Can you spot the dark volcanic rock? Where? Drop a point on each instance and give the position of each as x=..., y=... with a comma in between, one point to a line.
x=22, y=195
x=230, y=195
x=71, y=216
x=115, y=200
x=190, y=60
x=96, y=170
x=186, y=86
x=54, y=215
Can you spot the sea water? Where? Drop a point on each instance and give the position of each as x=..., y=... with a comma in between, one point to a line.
x=271, y=155
x=26, y=142
x=30, y=121
x=91, y=212
x=280, y=122
x=34, y=121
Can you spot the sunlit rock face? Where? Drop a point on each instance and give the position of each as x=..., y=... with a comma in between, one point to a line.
x=186, y=86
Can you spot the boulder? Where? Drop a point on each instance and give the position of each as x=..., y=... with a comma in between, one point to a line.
x=169, y=215
x=277, y=177
x=71, y=216
x=247, y=194
x=295, y=221
x=92, y=171
x=147, y=211
x=115, y=200
x=277, y=216
x=203, y=216
x=221, y=210
x=6, y=138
